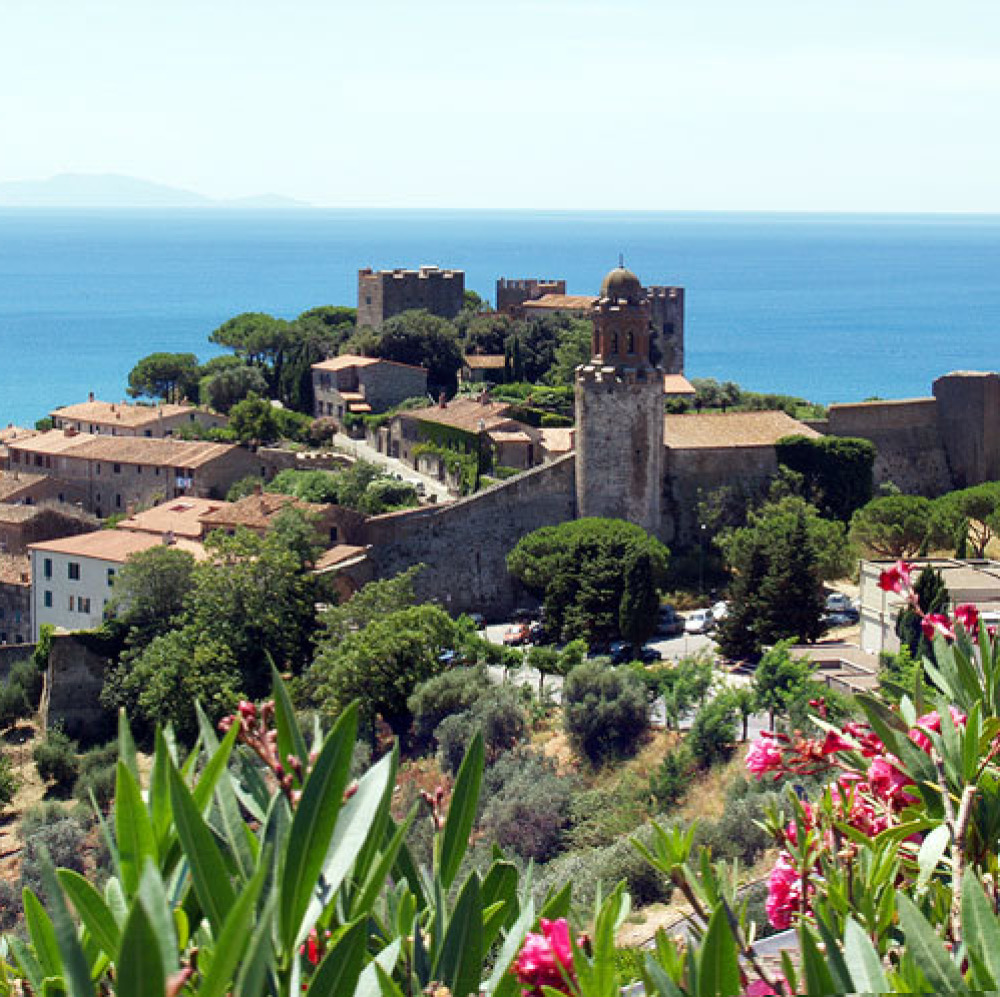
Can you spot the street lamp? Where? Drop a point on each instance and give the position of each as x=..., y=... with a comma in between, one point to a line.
x=701, y=558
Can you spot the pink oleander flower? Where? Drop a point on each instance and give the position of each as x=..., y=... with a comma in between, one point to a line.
x=537, y=964
x=761, y=989
x=937, y=623
x=871, y=744
x=784, y=893
x=968, y=616
x=764, y=756
x=932, y=722
x=889, y=783
x=896, y=579
x=834, y=743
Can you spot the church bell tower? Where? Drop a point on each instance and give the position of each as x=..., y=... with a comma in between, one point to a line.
x=619, y=410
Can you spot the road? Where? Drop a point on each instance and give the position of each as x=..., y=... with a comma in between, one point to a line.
x=361, y=450
x=670, y=648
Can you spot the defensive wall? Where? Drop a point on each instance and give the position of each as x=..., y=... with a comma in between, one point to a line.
x=910, y=451
x=384, y=293
x=464, y=544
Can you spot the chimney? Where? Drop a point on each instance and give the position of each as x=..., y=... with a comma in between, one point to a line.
x=90, y=396
x=69, y=431
x=129, y=510
x=169, y=539
x=442, y=400
x=258, y=489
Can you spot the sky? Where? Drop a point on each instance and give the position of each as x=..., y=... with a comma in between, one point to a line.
x=796, y=105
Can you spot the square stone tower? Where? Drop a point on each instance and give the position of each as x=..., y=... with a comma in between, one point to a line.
x=619, y=410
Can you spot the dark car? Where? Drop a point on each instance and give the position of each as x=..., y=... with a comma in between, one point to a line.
x=669, y=623
x=622, y=651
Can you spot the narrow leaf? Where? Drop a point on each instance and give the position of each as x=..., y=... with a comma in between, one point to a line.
x=290, y=739
x=139, y=969
x=927, y=949
x=43, y=934
x=92, y=910
x=133, y=829
x=980, y=928
x=368, y=985
x=160, y=914
x=932, y=848
x=461, y=812
x=341, y=966
x=126, y=745
x=460, y=959
x=718, y=964
x=76, y=970
x=863, y=963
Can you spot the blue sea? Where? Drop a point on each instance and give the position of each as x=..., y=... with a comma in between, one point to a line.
x=829, y=307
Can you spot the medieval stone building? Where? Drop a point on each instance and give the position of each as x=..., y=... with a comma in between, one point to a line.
x=384, y=293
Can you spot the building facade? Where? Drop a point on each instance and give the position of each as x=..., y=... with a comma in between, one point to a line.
x=72, y=578
x=15, y=599
x=122, y=419
x=114, y=473
x=359, y=385
x=512, y=293
x=384, y=293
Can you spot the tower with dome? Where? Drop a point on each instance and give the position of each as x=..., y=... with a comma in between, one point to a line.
x=619, y=410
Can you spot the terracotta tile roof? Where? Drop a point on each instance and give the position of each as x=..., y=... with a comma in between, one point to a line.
x=677, y=384
x=359, y=407
x=562, y=302
x=114, y=545
x=256, y=511
x=180, y=516
x=11, y=485
x=337, y=556
x=558, y=439
x=122, y=413
x=15, y=570
x=16, y=433
x=730, y=429
x=509, y=436
x=485, y=361
x=18, y=513
x=127, y=449
x=346, y=360
x=463, y=413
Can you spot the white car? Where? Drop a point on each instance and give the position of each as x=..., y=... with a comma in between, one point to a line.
x=699, y=622
x=720, y=610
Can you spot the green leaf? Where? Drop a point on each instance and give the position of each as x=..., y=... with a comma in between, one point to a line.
x=76, y=971
x=658, y=983
x=819, y=979
x=863, y=963
x=133, y=829
x=341, y=966
x=980, y=928
x=350, y=833
x=386, y=983
x=161, y=816
x=43, y=934
x=557, y=904
x=92, y=910
x=290, y=739
x=313, y=825
x=160, y=914
x=208, y=870
x=460, y=957
x=126, y=745
x=139, y=969
x=232, y=940
x=835, y=958
x=368, y=985
x=27, y=961
x=927, y=949
x=213, y=770
x=511, y=946
x=363, y=899
x=718, y=964
x=461, y=812
x=932, y=848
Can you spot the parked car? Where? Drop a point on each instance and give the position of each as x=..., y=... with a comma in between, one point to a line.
x=720, y=611
x=537, y=633
x=838, y=602
x=622, y=652
x=524, y=615
x=516, y=635
x=478, y=619
x=669, y=623
x=700, y=621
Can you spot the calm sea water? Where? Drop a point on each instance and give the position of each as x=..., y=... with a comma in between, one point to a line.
x=833, y=308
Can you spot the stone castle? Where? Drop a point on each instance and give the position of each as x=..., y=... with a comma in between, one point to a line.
x=384, y=293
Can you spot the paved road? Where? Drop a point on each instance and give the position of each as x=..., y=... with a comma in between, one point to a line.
x=361, y=450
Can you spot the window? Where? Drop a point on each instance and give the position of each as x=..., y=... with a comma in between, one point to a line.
x=118, y=469
x=138, y=468
x=333, y=534
x=47, y=599
x=118, y=501
x=18, y=639
x=3, y=637
x=72, y=603
x=17, y=616
x=97, y=469
x=73, y=571
x=83, y=604
x=156, y=471
x=111, y=577
x=47, y=567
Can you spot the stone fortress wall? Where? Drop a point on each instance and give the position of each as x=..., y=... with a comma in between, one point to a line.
x=464, y=545
x=928, y=446
x=384, y=293
x=666, y=305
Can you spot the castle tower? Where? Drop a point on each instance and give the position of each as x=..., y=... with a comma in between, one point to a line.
x=619, y=410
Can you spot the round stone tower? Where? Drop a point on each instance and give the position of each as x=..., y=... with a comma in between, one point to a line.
x=619, y=410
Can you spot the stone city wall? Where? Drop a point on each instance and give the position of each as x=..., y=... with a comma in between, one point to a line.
x=464, y=544
x=907, y=437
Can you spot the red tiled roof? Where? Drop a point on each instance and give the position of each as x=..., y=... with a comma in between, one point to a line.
x=730, y=429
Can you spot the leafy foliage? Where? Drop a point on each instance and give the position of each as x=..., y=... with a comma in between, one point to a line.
x=895, y=526
x=837, y=471
x=604, y=711
x=169, y=376
x=56, y=761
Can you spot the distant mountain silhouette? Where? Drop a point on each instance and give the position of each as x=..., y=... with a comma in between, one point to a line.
x=110, y=190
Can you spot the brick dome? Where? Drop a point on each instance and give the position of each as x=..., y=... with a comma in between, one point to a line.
x=621, y=284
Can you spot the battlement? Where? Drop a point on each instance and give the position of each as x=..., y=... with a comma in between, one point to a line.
x=513, y=292
x=604, y=375
x=384, y=293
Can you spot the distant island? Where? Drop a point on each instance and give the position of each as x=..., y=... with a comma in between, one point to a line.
x=110, y=190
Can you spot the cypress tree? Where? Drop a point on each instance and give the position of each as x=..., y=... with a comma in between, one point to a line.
x=932, y=597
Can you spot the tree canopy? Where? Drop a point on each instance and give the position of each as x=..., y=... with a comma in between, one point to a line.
x=424, y=340
x=837, y=471
x=893, y=525
x=170, y=376
x=583, y=570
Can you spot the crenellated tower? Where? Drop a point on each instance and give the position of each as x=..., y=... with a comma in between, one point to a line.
x=619, y=410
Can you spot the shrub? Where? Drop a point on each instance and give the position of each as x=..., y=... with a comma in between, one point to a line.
x=442, y=696
x=603, y=815
x=97, y=776
x=63, y=841
x=13, y=704
x=672, y=779
x=497, y=714
x=29, y=677
x=713, y=733
x=528, y=809
x=56, y=760
x=604, y=711
x=10, y=905
x=10, y=783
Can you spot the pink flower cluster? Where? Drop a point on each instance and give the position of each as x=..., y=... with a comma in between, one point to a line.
x=546, y=959
x=899, y=579
x=868, y=798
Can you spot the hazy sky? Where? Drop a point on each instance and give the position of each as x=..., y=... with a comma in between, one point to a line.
x=704, y=104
